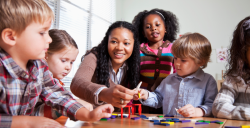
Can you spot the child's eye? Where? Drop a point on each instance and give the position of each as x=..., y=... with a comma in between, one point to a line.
x=147, y=26
x=158, y=24
x=42, y=33
x=63, y=60
x=71, y=62
x=183, y=60
x=175, y=58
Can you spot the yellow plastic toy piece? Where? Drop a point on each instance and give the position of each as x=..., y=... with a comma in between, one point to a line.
x=139, y=95
x=168, y=123
x=115, y=114
x=245, y=126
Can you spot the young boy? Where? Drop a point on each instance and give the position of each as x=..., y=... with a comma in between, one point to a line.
x=24, y=76
x=189, y=89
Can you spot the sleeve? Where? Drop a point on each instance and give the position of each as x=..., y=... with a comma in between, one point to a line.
x=5, y=120
x=210, y=94
x=224, y=107
x=155, y=99
x=56, y=96
x=81, y=85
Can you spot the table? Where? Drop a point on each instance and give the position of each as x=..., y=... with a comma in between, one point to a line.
x=126, y=122
x=237, y=123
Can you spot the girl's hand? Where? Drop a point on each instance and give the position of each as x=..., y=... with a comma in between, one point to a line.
x=143, y=94
x=34, y=122
x=190, y=111
x=118, y=96
x=86, y=104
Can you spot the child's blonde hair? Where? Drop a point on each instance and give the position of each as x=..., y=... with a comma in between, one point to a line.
x=18, y=14
x=193, y=45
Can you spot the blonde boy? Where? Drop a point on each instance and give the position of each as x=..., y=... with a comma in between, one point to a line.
x=24, y=76
x=189, y=89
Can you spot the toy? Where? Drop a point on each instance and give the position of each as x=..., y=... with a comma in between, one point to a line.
x=129, y=107
x=197, y=123
x=134, y=107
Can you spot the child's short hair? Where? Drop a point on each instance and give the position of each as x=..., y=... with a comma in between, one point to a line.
x=18, y=14
x=193, y=45
x=60, y=40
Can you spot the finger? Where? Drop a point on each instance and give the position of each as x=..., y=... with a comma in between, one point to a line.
x=125, y=90
x=183, y=108
x=118, y=105
x=106, y=115
x=118, y=100
x=124, y=96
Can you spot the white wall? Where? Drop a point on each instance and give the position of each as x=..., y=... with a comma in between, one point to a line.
x=215, y=19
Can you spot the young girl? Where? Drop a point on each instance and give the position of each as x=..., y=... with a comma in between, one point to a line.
x=190, y=89
x=60, y=57
x=109, y=71
x=157, y=29
x=233, y=100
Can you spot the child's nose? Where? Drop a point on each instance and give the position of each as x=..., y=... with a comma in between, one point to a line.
x=49, y=40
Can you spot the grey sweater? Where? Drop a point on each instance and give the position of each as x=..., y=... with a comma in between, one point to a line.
x=233, y=100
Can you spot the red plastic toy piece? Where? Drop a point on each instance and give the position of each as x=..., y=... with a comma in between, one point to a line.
x=134, y=108
x=129, y=107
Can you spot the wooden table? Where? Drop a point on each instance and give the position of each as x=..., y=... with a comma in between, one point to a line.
x=237, y=123
x=126, y=122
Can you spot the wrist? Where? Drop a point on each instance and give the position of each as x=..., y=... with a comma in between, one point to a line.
x=199, y=112
x=146, y=95
x=102, y=95
x=83, y=114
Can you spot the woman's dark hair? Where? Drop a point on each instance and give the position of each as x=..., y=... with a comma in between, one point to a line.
x=238, y=64
x=102, y=55
x=60, y=40
x=170, y=21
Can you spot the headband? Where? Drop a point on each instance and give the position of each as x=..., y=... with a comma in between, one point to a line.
x=160, y=14
x=246, y=25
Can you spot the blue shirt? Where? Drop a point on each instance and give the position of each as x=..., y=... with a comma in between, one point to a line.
x=198, y=89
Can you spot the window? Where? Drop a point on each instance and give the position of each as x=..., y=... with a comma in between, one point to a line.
x=85, y=20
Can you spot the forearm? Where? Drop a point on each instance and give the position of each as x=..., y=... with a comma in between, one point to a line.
x=83, y=114
x=153, y=100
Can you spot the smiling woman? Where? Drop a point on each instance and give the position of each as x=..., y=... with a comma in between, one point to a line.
x=110, y=70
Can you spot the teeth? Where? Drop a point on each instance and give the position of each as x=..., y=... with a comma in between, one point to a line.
x=119, y=54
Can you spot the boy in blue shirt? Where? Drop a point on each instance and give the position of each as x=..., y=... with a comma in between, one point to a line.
x=24, y=76
x=189, y=89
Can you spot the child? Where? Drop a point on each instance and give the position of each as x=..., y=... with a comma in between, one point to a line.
x=25, y=76
x=233, y=102
x=60, y=57
x=157, y=29
x=190, y=89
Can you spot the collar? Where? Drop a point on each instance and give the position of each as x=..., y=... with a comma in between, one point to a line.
x=199, y=74
x=15, y=70
x=144, y=47
x=123, y=66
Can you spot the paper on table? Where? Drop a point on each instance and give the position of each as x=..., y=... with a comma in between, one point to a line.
x=73, y=124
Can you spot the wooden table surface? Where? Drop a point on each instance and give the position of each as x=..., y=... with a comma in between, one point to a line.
x=126, y=122
x=237, y=123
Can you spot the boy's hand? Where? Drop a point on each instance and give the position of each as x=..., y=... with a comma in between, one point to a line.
x=34, y=122
x=103, y=111
x=143, y=94
x=190, y=111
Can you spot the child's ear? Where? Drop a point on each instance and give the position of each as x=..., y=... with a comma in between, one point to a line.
x=9, y=36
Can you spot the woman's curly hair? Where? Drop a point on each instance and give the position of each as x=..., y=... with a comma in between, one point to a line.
x=102, y=55
x=238, y=65
x=170, y=21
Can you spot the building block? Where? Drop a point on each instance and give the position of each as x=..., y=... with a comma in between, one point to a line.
x=187, y=127
x=115, y=114
x=245, y=126
x=129, y=107
x=167, y=115
x=134, y=107
x=214, y=121
x=197, y=123
x=175, y=119
x=200, y=121
x=231, y=127
x=103, y=119
x=157, y=123
x=218, y=122
x=160, y=116
x=185, y=121
x=164, y=120
x=170, y=123
x=135, y=118
x=164, y=124
x=207, y=121
x=143, y=116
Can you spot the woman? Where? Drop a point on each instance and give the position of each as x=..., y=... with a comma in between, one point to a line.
x=110, y=71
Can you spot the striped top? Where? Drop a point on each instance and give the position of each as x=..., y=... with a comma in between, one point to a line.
x=233, y=102
x=155, y=67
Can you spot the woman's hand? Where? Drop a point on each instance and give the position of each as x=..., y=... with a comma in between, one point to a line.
x=118, y=96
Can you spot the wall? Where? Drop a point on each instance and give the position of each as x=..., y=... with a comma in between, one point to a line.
x=215, y=19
